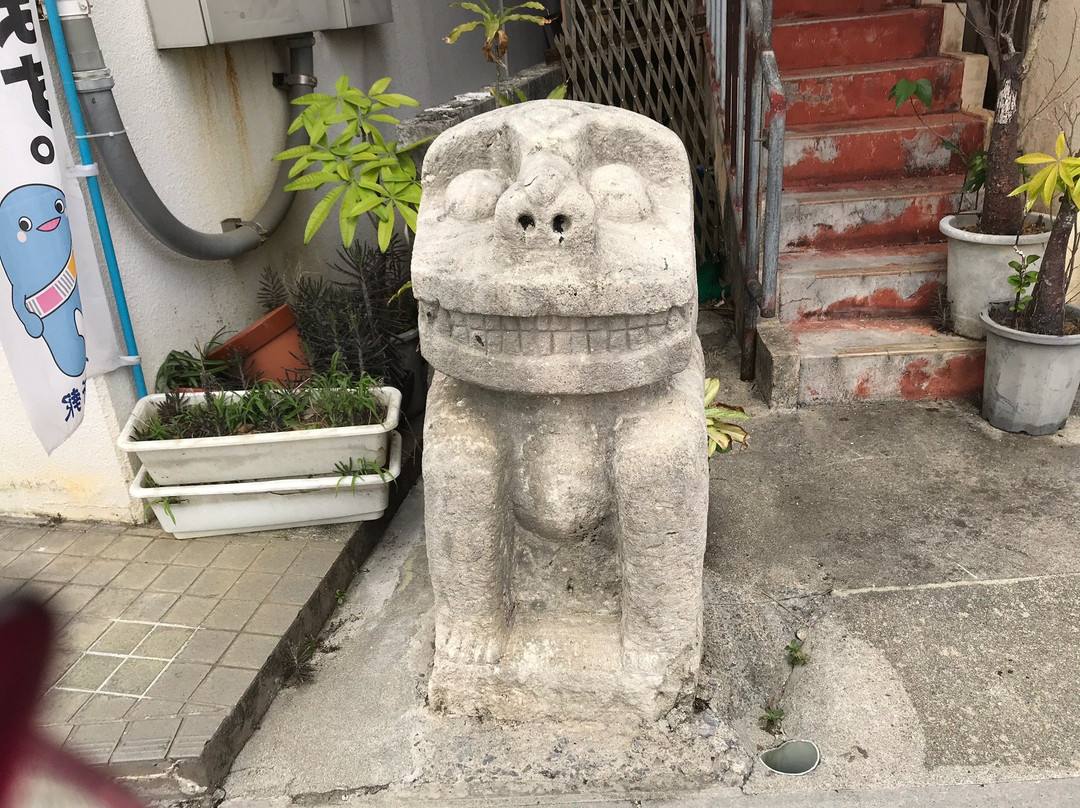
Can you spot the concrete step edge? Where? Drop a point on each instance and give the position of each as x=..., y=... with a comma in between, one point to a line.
x=904, y=188
x=921, y=11
x=884, y=271
x=901, y=65
x=899, y=123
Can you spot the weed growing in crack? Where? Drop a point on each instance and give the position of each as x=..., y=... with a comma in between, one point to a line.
x=773, y=719
x=795, y=654
x=300, y=661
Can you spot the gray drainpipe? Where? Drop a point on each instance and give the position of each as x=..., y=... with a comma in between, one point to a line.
x=105, y=126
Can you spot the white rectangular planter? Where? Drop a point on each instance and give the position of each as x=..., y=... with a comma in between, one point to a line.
x=263, y=456
x=212, y=510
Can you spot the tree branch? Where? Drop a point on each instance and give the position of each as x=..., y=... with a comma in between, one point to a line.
x=1035, y=29
x=1008, y=16
x=977, y=14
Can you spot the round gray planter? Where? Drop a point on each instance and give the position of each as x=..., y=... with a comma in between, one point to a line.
x=1030, y=380
x=978, y=268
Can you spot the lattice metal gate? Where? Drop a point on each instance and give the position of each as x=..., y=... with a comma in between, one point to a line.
x=649, y=56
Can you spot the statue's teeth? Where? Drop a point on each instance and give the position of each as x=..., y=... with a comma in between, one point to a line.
x=551, y=334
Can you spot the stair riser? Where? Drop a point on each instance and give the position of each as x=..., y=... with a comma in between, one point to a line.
x=854, y=96
x=863, y=222
x=912, y=377
x=913, y=152
x=826, y=296
x=833, y=8
x=827, y=43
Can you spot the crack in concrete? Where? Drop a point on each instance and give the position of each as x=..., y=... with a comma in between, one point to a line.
x=866, y=590
x=812, y=615
x=315, y=798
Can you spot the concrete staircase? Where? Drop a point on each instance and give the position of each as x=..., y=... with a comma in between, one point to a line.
x=863, y=263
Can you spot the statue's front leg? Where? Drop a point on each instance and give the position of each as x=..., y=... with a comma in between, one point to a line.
x=469, y=525
x=662, y=489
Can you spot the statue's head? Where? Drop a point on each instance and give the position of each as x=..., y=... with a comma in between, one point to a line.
x=555, y=250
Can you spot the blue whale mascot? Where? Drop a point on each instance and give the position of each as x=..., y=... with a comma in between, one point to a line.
x=35, y=249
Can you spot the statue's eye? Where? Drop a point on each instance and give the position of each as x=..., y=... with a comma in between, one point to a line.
x=59, y=205
x=472, y=196
x=620, y=193
x=25, y=224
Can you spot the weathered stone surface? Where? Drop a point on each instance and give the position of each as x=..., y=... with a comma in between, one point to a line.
x=564, y=445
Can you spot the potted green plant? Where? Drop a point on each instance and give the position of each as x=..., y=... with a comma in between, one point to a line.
x=356, y=317
x=270, y=347
x=979, y=244
x=266, y=432
x=1033, y=341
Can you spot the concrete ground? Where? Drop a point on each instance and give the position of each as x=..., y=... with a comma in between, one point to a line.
x=928, y=561
x=168, y=651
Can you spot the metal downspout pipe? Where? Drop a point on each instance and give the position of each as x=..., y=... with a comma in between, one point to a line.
x=94, y=83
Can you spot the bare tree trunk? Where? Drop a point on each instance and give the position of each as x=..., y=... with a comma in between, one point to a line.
x=1046, y=312
x=1002, y=215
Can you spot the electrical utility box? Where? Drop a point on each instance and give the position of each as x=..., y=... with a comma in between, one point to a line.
x=194, y=23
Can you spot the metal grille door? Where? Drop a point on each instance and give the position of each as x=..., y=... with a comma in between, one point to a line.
x=649, y=56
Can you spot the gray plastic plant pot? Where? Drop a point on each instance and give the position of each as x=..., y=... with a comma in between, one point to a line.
x=978, y=268
x=793, y=758
x=1030, y=381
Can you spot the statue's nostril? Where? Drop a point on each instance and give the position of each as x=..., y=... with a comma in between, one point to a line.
x=560, y=223
x=526, y=221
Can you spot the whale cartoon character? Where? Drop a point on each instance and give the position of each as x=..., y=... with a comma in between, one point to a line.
x=35, y=249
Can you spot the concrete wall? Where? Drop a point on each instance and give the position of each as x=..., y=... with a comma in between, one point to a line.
x=205, y=123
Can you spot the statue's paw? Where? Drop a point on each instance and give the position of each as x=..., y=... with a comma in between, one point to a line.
x=477, y=645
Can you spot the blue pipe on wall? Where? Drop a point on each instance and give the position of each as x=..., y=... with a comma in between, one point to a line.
x=87, y=159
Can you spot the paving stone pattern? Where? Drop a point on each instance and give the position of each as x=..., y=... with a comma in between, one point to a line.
x=159, y=638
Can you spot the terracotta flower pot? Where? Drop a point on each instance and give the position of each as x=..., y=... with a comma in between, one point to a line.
x=271, y=348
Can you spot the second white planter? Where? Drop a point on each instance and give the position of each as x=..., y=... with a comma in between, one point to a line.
x=194, y=511
x=978, y=268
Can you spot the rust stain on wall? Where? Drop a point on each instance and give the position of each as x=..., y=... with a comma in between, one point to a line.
x=880, y=302
x=956, y=378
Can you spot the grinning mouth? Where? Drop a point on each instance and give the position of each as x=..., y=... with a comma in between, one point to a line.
x=552, y=334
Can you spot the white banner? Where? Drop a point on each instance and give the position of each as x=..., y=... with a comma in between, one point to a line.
x=58, y=326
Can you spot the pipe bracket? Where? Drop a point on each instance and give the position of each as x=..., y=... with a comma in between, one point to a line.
x=93, y=83
x=92, y=135
x=83, y=170
x=235, y=223
x=294, y=79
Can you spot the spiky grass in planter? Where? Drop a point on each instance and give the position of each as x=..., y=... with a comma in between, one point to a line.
x=326, y=400
x=355, y=316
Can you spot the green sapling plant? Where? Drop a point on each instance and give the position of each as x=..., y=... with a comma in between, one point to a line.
x=906, y=91
x=496, y=42
x=1022, y=279
x=722, y=434
x=367, y=174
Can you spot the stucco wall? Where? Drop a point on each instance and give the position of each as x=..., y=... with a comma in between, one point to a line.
x=205, y=123
x=1053, y=82
x=1054, y=77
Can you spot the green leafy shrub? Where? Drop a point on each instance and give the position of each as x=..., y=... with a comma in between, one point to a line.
x=366, y=174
